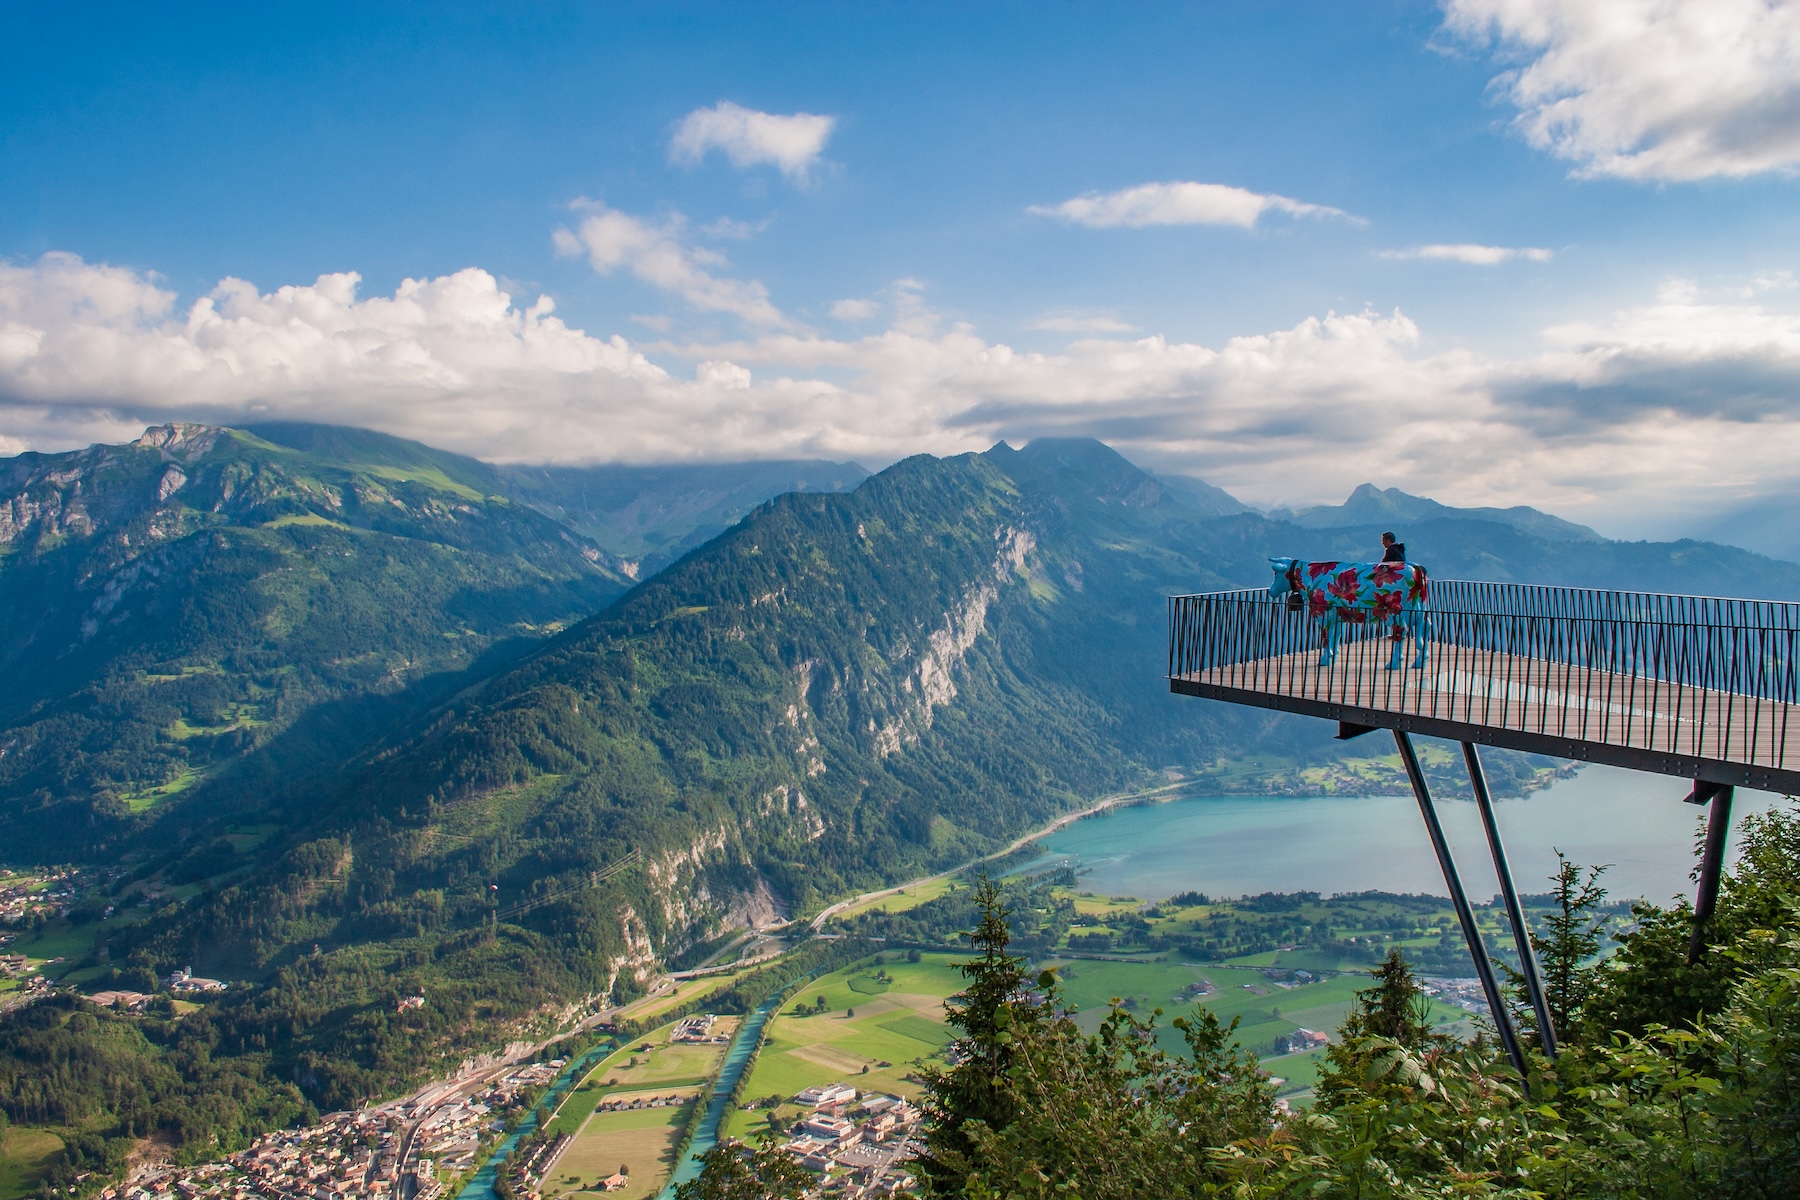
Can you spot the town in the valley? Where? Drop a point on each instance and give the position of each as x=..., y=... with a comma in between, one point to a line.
x=857, y=1143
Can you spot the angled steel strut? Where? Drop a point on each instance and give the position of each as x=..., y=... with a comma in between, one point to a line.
x=1712, y=858
x=1515, y=915
x=1490, y=984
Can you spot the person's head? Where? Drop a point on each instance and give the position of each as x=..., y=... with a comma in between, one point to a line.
x=1388, y=539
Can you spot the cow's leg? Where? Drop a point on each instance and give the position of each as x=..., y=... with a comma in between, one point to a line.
x=1421, y=629
x=1329, y=626
x=1397, y=635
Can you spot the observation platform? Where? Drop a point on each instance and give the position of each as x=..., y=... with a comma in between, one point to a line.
x=1692, y=686
x=1696, y=687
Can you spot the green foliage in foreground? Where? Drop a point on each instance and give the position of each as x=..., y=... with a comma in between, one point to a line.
x=732, y=1173
x=1709, y=1107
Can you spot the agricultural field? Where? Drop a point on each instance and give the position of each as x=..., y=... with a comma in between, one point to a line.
x=879, y=1023
x=652, y=1061
x=904, y=900
x=23, y=1155
x=684, y=990
x=1297, y=1074
x=1263, y=1008
x=644, y=1139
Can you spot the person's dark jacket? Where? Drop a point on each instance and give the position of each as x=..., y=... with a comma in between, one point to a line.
x=1395, y=553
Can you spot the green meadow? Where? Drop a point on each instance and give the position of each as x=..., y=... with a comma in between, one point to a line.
x=872, y=1034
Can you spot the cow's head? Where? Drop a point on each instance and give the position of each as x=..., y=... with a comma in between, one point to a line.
x=1287, y=580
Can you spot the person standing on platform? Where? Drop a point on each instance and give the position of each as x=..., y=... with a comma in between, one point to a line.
x=1394, y=552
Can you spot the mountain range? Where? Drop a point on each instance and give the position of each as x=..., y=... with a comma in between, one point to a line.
x=368, y=716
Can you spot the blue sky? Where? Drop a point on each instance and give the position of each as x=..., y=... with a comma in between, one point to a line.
x=1499, y=251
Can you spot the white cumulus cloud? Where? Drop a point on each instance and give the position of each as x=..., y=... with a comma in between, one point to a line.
x=854, y=310
x=656, y=254
x=1179, y=203
x=1471, y=253
x=1078, y=322
x=1640, y=420
x=793, y=143
x=1649, y=89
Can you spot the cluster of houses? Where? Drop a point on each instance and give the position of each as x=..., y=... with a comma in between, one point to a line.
x=1301, y=1040
x=398, y=1151
x=624, y=1104
x=450, y=1136
x=23, y=896
x=860, y=1142
x=35, y=983
x=346, y=1155
x=527, y=1171
x=1465, y=994
x=697, y=1031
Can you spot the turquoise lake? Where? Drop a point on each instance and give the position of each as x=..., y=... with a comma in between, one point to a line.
x=1242, y=845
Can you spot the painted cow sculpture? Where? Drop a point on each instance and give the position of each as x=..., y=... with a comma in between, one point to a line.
x=1340, y=593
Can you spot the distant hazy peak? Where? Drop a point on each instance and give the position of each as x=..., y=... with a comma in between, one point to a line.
x=1104, y=474
x=1370, y=505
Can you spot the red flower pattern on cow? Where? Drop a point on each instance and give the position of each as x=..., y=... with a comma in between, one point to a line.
x=1362, y=594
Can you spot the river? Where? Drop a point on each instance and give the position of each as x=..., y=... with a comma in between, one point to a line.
x=1243, y=845
x=481, y=1184
x=738, y=1057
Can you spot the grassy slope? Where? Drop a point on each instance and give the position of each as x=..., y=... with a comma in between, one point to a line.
x=24, y=1153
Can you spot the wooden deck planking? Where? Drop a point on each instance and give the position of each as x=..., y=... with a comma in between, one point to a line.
x=1532, y=695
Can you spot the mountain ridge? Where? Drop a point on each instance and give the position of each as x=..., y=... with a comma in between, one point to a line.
x=843, y=689
x=1371, y=505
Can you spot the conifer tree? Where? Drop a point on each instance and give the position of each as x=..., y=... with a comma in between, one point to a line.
x=974, y=1089
x=733, y=1171
x=1571, y=938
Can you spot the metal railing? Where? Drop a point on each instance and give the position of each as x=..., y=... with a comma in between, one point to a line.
x=1689, y=675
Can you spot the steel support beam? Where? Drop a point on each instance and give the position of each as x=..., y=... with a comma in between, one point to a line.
x=1490, y=984
x=1515, y=915
x=1712, y=864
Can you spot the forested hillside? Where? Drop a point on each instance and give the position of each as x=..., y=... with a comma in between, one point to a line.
x=840, y=691
x=170, y=605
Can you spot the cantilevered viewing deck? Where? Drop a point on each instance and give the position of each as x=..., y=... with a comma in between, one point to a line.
x=1696, y=687
x=1692, y=686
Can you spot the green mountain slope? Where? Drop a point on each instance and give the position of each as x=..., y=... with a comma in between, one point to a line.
x=170, y=605
x=843, y=689
x=840, y=691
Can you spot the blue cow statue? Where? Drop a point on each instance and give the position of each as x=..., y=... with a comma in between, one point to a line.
x=1340, y=594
